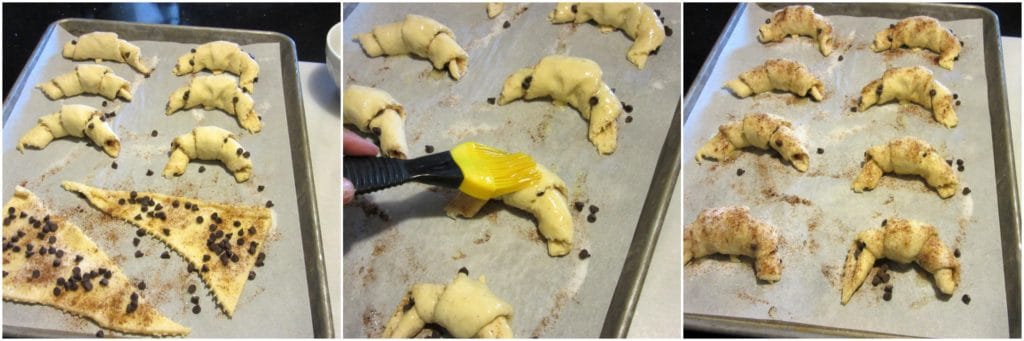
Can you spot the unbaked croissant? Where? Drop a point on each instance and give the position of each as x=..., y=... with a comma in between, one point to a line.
x=88, y=79
x=220, y=56
x=573, y=81
x=216, y=92
x=105, y=46
x=547, y=200
x=920, y=32
x=733, y=231
x=797, y=21
x=637, y=20
x=72, y=120
x=911, y=84
x=466, y=308
x=421, y=36
x=209, y=143
x=907, y=155
x=759, y=130
x=494, y=8
x=373, y=110
x=902, y=241
x=777, y=74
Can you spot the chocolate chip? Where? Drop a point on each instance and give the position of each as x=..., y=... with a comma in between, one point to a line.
x=165, y=255
x=490, y=100
x=56, y=263
x=961, y=43
x=202, y=169
x=890, y=38
x=270, y=204
x=256, y=79
x=876, y=280
x=506, y=24
x=668, y=31
x=957, y=102
x=52, y=240
x=840, y=58
x=527, y=81
x=629, y=119
x=966, y=299
x=206, y=258
x=260, y=188
x=113, y=165
x=138, y=217
x=234, y=100
x=591, y=218
x=768, y=21
x=594, y=209
x=628, y=108
x=104, y=282
x=967, y=190
x=879, y=90
x=429, y=149
x=199, y=219
x=578, y=206
x=885, y=221
x=185, y=97
x=956, y=253
x=584, y=254
x=35, y=273
x=464, y=271
x=887, y=288
x=193, y=63
x=192, y=289
x=149, y=172
x=593, y=101
x=78, y=258
x=194, y=299
x=60, y=253
x=887, y=295
x=819, y=30
x=56, y=291
x=138, y=254
x=74, y=42
x=205, y=268
x=196, y=309
x=99, y=334
x=140, y=233
x=739, y=172
x=573, y=8
x=246, y=154
x=142, y=285
x=853, y=109
x=960, y=168
x=252, y=275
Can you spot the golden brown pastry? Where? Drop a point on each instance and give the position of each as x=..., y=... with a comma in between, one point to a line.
x=761, y=131
x=733, y=231
x=421, y=36
x=465, y=307
x=72, y=120
x=638, y=21
x=88, y=79
x=920, y=32
x=902, y=241
x=911, y=85
x=797, y=21
x=375, y=111
x=778, y=74
x=105, y=46
x=220, y=56
x=907, y=155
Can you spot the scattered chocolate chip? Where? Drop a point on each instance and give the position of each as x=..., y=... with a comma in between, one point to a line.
x=206, y=258
x=966, y=299
x=879, y=90
x=819, y=30
x=246, y=154
x=252, y=275
x=955, y=96
x=196, y=309
x=149, y=172
x=270, y=204
x=194, y=300
x=142, y=285
x=584, y=254
x=629, y=119
x=104, y=282
x=967, y=190
x=138, y=254
x=739, y=172
x=594, y=209
x=958, y=102
x=956, y=253
x=591, y=218
x=884, y=221
x=56, y=263
x=113, y=165
x=853, y=109
x=506, y=24
x=887, y=288
x=138, y=217
x=165, y=255
x=840, y=58
x=464, y=271
x=887, y=295
x=959, y=162
x=202, y=169
x=252, y=230
x=961, y=43
x=191, y=288
x=949, y=162
x=74, y=42
x=199, y=219
x=876, y=280
x=154, y=133
x=628, y=108
x=593, y=100
x=429, y=149
x=573, y=8
x=768, y=21
x=960, y=168
x=56, y=291
x=931, y=93
x=668, y=31
x=99, y=333
x=35, y=273
x=260, y=188
x=490, y=100
x=78, y=258
x=578, y=206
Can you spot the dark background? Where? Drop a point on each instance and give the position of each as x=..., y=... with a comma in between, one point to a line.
x=704, y=22
x=306, y=23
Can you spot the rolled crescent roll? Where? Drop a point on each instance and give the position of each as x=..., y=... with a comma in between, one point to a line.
x=209, y=143
x=762, y=131
x=733, y=231
x=465, y=307
x=494, y=8
x=576, y=82
x=777, y=74
x=105, y=46
x=797, y=21
x=88, y=79
x=220, y=56
x=421, y=36
x=375, y=111
x=72, y=120
x=917, y=33
x=547, y=200
x=903, y=241
x=907, y=155
x=216, y=92
x=637, y=20
x=911, y=85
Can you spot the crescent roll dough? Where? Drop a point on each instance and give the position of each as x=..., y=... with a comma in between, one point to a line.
x=72, y=120
x=494, y=8
x=733, y=231
x=573, y=81
x=911, y=84
x=760, y=130
x=637, y=20
x=777, y=74
x=797, y=21
x=216, y=92
x=902, y=241
x=220, y=56
x=209, y=143
x=465, y=307
x=547, y=200
x=920, y=32
x=88, y=79
x=105, y=46
x=421, y=36
x=373, y=110
x=907, y=155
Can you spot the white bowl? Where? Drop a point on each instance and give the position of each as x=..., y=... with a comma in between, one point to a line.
x=334, y=53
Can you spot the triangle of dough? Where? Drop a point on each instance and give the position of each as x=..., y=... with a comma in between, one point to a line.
x=27, y=221
x=188, y=231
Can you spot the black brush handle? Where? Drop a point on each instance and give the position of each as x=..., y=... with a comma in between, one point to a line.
x=370, y=174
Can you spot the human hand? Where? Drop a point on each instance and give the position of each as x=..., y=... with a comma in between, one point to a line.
x=353, y=144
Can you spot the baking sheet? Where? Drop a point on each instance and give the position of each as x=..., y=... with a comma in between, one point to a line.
x=265, y=301
x=817, y=213
x=397, y=237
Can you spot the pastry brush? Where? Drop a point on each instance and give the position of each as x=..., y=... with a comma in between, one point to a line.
x=478, y=170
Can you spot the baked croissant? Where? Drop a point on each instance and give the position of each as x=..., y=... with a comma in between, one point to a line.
x=220, y=56
x=759, y=130
x=733, y=231
x=911, y=84
x=907, y=155
x=573, y=81
x=421, y=36
x=216, y=92
x=465, y=307
x=105, y=46
x=637, y=20
x=72, y=120
x=494, y=8
x=373, y=110
x=547, y=200
x=797, y=21
x=777, y=74
x=209, y=143
x=88, y=79
x=902, y=241
x=920, y=32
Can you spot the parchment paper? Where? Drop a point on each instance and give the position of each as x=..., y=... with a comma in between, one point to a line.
x=817, y=213
x=276, y=303
x=416, y=242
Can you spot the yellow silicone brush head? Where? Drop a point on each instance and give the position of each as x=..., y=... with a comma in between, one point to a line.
x=490, y=172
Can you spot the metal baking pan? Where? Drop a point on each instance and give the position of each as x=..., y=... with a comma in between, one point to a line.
x=1002, y=175
x=296, y=242
x=398, y=237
